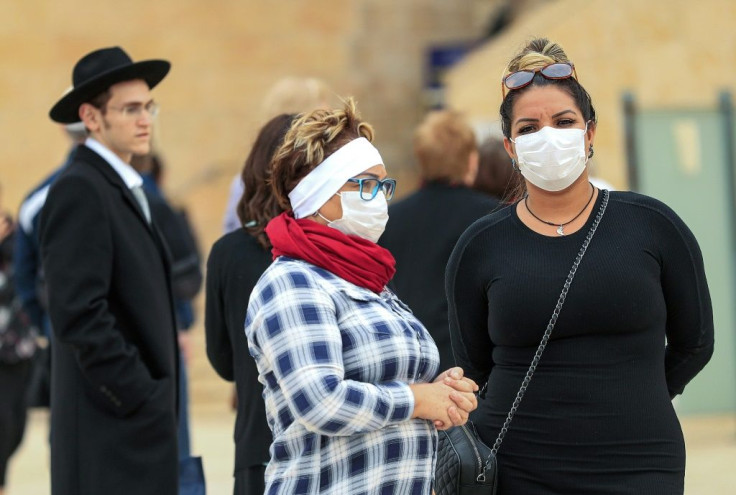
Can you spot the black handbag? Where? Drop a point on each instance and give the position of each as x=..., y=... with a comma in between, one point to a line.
x=466, y=465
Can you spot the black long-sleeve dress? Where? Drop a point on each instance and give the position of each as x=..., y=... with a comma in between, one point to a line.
x=597, y=417
x=235, y=264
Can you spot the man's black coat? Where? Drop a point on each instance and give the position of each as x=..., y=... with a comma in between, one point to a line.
x=114, y=365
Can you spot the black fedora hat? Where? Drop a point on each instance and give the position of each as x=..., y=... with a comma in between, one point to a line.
x=97, y=71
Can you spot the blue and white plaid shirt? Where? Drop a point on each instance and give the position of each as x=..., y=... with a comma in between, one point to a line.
x=336, y=361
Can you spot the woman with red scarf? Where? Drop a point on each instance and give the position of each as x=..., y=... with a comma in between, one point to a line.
x=351, y=385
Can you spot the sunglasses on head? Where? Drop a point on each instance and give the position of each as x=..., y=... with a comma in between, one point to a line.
x=521, y=78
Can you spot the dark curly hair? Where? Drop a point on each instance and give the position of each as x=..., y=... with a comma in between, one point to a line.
x=258, y=205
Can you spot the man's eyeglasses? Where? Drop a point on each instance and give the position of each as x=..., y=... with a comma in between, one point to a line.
x=135, y=110
x=370, y=187
x=521, y=78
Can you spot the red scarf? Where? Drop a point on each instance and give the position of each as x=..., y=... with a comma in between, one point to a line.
x=353, y=258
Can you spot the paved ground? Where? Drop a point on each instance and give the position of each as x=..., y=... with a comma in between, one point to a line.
x=711, y=443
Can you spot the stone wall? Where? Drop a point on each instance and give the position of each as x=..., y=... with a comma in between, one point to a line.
x=226, y=54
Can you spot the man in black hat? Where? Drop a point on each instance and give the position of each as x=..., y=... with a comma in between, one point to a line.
x=114, y=361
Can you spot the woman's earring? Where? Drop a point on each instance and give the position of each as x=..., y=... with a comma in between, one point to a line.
x=513, y=164
x=590, y=152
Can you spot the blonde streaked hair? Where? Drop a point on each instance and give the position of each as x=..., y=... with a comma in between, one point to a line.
x=538, y=53
x=443, y=143
x=313, y=137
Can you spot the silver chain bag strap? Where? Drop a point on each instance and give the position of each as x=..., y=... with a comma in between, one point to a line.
x=460, y=467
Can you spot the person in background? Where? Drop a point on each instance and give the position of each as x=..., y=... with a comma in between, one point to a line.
x=236, y=262
x=114, y=387
x=186, y=275
x=496, y=174
x=637, y=320
x=290, y=95
x=348, y=372
x=17, y=347
x=29, y=280
x=27, y=259
x=423, y=228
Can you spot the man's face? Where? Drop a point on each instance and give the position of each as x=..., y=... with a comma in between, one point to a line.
x=126, y=124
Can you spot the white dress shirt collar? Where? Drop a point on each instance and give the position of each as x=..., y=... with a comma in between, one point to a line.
x=125, y=171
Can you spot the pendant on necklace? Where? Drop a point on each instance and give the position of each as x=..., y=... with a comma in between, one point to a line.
x=560, y=231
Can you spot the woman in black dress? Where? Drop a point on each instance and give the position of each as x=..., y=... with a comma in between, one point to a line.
x=597, y=417
x=235, y=264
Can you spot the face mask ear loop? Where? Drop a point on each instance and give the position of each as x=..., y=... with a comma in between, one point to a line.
x=322, y=217
x=514, y=165
x=317, y=213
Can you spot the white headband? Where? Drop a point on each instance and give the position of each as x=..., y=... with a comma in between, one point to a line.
x=328, y=177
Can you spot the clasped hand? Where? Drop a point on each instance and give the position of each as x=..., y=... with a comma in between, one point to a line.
x=447, y=401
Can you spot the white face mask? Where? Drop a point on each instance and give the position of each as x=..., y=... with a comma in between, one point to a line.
x=552, y=159
x=366, y=219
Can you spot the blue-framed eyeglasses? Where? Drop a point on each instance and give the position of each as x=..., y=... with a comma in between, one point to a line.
x=369, y=187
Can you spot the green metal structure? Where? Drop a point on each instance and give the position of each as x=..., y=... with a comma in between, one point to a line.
x=685, y=157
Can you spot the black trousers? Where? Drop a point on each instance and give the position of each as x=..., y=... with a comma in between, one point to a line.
x=13, y=384
x=250, y=481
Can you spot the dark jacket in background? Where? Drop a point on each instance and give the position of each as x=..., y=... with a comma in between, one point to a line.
x=186, y=271
x=27, y=260
x=114, y=355
x=421, y=232
x=235, y=264
x=17, y=348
